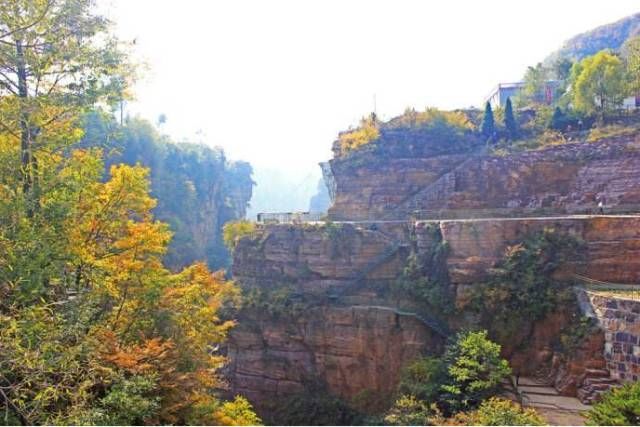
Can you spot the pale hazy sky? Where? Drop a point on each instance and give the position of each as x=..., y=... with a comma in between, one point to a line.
x=273, y=82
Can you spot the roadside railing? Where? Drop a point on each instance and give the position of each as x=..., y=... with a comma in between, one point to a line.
x=609, y=289
x=522, y=212
x=289, y=217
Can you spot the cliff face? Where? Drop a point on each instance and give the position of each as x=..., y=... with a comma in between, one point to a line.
x=346, y=337
x=352, y=333
x=612, y=245
x=570, y=177
x=325, y=303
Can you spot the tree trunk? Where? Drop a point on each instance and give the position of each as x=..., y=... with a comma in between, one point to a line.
x=28, y=160
x=25, y=137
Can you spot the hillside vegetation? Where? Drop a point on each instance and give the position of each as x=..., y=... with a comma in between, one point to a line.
x=197, y=188
x=610, y=36
x=95, y=328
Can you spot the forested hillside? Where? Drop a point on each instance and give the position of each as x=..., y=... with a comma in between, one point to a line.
x=610, y=36
x=197, y=188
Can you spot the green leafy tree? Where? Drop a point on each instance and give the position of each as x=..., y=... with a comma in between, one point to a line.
x=618, y=407
x=469, y=372
x=562, y=68
x=424, y=379
x=488, y=127
x=58, y=58
x=475, y=369
x=104, y=332
x=598, y=83
x=535, y=80
x=510, y=121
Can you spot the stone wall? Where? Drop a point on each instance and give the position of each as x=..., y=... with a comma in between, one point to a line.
x=620, y=319
x=565, y=178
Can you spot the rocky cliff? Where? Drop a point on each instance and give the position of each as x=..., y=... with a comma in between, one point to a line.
x=564, y=178
x=344, y=305
x=341, y=323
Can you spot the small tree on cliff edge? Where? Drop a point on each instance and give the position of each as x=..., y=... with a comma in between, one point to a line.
x=510, y=120
x=488, y=124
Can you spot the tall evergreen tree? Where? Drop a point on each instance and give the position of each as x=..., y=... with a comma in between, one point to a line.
x=509, y=120
x=557, y=120
x=488, y=124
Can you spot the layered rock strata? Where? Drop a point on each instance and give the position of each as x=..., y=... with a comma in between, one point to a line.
x=354, y=335
x=570, y=178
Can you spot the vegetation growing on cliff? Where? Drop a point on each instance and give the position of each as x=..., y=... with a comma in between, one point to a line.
x=425, y=277
x=354, y=139
x=522, y=288
x=235, y=230
x=431, y=131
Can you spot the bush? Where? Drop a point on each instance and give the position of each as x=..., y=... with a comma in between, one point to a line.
x=234, y=230
x=470, y=371
x=409, y=411
x=499, y=412
x=475, y=370
x=130, y=401
x=423, y=379
x=238, y=412
x=276, y=301
x=354, y=139
x=432, y=117
x=619, y=406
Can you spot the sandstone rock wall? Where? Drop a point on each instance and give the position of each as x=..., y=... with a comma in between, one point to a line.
x=356, y=338
x=570, y=177
x=612, y=245
x=620, y=319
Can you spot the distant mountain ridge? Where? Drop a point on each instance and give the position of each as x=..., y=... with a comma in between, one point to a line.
x=609, y=36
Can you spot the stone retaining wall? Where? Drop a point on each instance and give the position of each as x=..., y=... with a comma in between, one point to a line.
x=620, y=319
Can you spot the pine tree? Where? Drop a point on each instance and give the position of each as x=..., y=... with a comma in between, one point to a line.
x=509, y=120
x=557, y=119
x=488, y=124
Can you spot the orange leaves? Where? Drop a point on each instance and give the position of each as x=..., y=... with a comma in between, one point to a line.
x=149, y=356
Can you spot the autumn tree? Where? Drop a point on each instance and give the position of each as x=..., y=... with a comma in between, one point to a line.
x=94, y=328
x=56, y=58
x=598, y=83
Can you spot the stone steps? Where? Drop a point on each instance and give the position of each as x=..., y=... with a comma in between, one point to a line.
x=596, y=383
